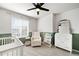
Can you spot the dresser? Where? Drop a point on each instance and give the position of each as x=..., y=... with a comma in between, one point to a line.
x=63, y=39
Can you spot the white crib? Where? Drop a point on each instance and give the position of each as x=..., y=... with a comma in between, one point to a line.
x=10, y=47
x=6, y=40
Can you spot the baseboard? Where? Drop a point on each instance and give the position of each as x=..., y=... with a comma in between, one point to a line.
x=75, y=51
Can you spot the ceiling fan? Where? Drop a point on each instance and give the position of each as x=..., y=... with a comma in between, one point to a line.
x=38, y=7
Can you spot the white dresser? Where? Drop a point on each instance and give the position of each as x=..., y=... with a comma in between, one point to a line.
x=63, y=39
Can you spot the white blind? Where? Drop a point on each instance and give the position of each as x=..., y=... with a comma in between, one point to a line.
x=20, y=26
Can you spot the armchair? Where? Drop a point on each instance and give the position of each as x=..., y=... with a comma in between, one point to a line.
x=35, y=39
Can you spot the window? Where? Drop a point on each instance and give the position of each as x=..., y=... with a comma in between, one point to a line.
x=20, y=27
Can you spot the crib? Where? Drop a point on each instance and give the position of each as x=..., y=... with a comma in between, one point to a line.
x=6, y=40
x=10, y=47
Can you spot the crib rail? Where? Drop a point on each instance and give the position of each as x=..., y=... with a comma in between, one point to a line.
x=10, y=46
x=6, y=40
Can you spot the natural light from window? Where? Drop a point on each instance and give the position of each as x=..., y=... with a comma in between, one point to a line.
x=20, y=27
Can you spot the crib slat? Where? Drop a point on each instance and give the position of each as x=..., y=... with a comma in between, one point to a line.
x=5, y=40
x=2, y=42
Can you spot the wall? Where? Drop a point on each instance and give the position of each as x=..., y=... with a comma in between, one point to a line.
x=45, y=24
x=33, y=25
x=73, y=16
x=49, y=22
x=5, y=21
x=55, y=23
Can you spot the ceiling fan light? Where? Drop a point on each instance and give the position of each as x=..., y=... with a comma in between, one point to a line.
x=37, y=9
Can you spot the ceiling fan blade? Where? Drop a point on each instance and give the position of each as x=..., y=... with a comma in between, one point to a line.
x=41, y=4
x=34, y=4
x=37, y=12
x=31, y=9
x=43, y=9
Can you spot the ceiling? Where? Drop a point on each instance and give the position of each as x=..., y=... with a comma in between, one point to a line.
x=53, y=7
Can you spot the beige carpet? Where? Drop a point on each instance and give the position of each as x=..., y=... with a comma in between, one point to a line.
x=45, y=51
